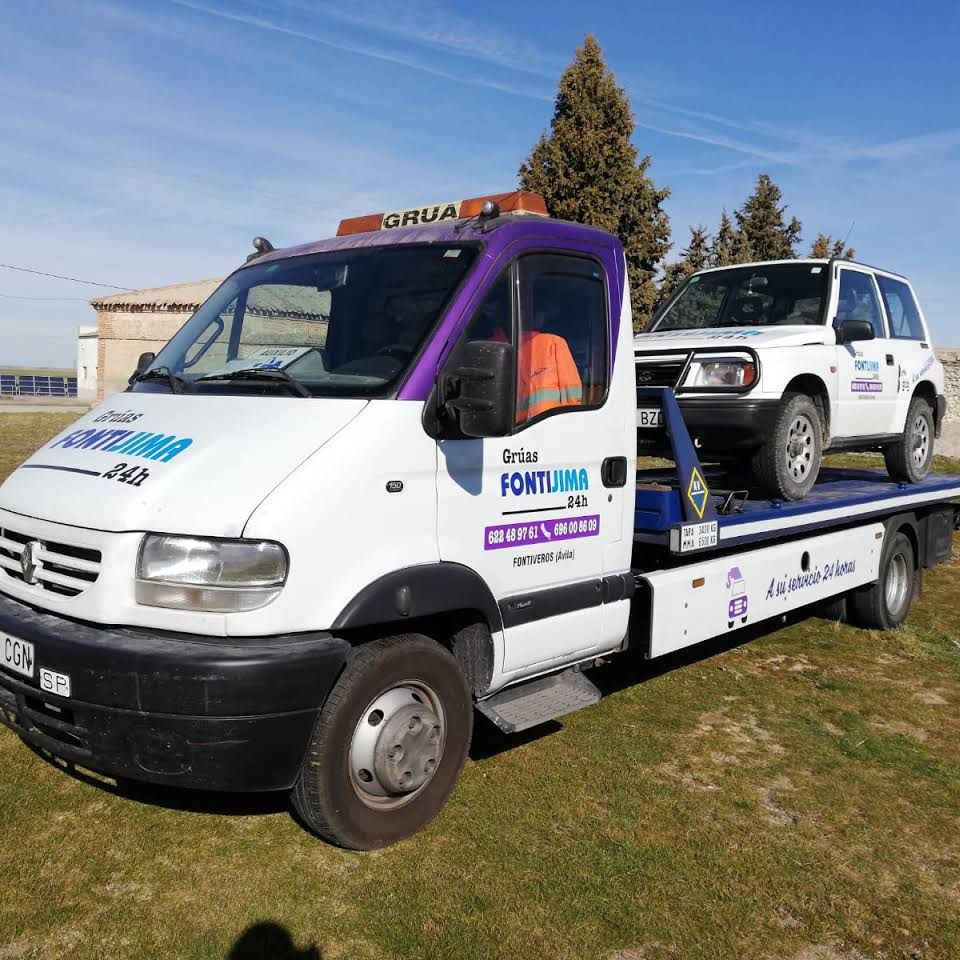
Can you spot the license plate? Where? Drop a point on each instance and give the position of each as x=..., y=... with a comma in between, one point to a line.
x=16, y=655
x=650, y=418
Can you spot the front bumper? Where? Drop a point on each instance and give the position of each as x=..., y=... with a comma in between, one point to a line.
x=722, y=426
x=175, y=709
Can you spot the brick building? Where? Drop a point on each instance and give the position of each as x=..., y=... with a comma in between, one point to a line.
x=137, y=322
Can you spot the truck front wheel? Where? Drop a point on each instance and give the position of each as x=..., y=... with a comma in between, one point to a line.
x=389, y=744
x=787, y=464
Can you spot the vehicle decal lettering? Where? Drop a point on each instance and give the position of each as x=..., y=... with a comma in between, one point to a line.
x=506, y=535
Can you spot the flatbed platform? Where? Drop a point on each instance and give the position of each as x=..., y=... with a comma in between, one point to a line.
x=690, y=508
x=839, y=497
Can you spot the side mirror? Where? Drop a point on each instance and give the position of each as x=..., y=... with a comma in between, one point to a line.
x=484, y=402
x=851, y=331
x=143, y=362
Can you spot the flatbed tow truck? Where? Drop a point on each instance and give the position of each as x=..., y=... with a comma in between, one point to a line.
x=255, y=573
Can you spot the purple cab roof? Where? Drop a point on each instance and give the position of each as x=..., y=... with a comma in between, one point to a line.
x=513, y=234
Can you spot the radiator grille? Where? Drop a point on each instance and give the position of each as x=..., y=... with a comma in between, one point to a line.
x=54, y=566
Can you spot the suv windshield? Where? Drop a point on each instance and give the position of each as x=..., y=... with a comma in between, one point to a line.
x=344, y=323
x=762, y=295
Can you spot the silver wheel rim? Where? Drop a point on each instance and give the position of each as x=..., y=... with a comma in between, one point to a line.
x=801, y=446
x=397, y=745
x=896, y=587
x=921, y=440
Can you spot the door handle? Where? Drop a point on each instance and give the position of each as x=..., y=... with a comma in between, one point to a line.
x=613, y=472
x=889, y=359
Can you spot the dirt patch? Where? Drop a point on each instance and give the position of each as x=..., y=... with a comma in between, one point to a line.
x=931, y=697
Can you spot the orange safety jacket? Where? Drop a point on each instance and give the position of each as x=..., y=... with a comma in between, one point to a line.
x=547, y=377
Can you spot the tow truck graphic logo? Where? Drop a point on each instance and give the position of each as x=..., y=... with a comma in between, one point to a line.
x=737, y=607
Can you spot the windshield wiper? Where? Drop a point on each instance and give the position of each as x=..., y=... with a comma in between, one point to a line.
x=177, y=384
x=261, y=373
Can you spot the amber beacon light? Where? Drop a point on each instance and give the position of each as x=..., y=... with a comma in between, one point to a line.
x=520, y=201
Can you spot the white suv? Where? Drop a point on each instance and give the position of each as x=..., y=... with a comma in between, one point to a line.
x=777, y=362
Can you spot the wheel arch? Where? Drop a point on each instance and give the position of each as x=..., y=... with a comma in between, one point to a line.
x=815, y=388
x=449, y=602
x=928, y=392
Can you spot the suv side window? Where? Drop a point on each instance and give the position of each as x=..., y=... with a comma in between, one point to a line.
x=858, y=301
x=562, y=355
x=902, y=310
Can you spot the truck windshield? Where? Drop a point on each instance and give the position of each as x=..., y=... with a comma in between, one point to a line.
x=762, y=295
x=343, y=323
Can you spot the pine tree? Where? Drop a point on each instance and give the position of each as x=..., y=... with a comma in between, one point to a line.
x=761, y=222
x=724, y=241
x=826, y=246
x=742, y=250
x=587, y=170
x=694, y=258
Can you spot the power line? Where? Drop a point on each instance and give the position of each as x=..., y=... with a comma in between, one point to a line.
x=57, y=276
x=13, y=296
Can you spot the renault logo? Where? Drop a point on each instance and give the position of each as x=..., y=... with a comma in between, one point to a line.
x=644, y=376
x=30, y=562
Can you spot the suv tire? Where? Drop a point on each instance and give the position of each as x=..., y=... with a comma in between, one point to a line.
x=788, y=463
x=909, y=459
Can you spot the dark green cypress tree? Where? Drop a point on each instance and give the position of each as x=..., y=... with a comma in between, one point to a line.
x=588, y=170
x=760, y=221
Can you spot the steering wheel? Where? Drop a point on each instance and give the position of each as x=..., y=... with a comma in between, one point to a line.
x=396, y=350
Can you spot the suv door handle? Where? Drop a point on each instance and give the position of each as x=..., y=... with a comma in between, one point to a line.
x=613, y=472
x=889, y=359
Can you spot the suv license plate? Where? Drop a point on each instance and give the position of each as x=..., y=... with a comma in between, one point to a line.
x=649, y=417
x=16, y=655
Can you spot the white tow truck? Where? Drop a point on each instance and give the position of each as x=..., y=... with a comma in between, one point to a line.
x=376, y=484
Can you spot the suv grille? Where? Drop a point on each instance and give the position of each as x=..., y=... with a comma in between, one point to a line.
x=60, y=568
x=659, y=373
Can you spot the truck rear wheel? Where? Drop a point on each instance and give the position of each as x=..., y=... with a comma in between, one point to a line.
x=910, y=457
x=389, y=744
x=885, y=604
x=786, y=466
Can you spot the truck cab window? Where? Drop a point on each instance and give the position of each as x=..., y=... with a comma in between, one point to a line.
x=562, y=350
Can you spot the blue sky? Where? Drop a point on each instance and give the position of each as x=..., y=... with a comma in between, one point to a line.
x=144, y=143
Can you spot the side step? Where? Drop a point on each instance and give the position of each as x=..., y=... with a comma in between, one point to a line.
x=537, y=701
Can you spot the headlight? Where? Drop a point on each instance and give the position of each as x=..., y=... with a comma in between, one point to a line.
x=722, y=372
x=221, y=576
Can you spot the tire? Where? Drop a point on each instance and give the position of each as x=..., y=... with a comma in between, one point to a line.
x=909, y=459
x=788, y=463
x=389, y=744
x=884, y=605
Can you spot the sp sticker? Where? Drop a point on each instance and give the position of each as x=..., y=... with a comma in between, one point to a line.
x=697, y=492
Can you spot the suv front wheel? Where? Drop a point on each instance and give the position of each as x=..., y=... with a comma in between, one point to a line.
x=786, y=466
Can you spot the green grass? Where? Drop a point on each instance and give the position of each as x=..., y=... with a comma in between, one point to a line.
x=794, y=798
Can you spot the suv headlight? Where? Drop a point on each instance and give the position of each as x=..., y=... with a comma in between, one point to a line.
x=729, y=372
x=219, y=576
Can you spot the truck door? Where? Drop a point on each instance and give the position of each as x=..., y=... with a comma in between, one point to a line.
x=530, y=512
x=866, y=370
